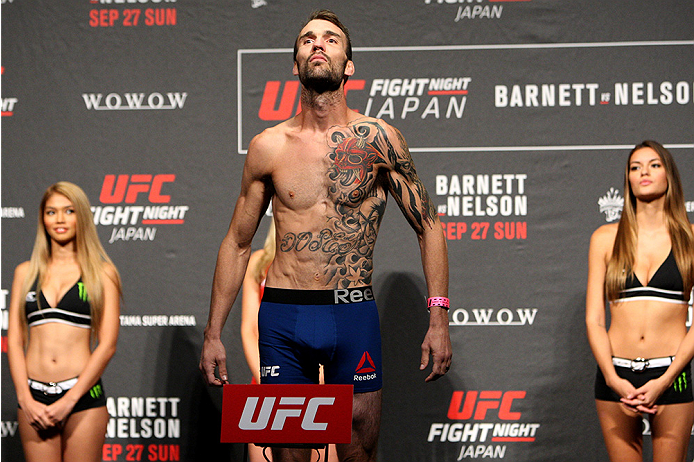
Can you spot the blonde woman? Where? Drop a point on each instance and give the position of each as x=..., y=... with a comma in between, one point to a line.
x=253, y=285
x=644, y=267
x=63, y=325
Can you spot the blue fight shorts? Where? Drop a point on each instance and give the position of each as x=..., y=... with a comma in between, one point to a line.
x=302, y=329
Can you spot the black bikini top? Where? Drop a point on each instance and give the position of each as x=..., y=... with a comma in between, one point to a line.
x=73, y=309
x=665, y=285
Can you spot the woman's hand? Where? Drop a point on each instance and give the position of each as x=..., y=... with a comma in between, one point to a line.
x=37, y=415
x=630, y=396
x=59, y=411
x=643, y=398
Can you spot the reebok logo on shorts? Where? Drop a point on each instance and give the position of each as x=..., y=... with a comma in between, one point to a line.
x=366, y=365
x=354, y=295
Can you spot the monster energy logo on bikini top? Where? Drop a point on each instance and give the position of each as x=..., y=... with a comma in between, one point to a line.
x=82, y=291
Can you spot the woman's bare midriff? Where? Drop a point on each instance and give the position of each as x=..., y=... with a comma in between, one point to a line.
x=57, y=352
x=646, y=328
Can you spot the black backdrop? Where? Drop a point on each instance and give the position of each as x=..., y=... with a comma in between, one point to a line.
x=519, y=114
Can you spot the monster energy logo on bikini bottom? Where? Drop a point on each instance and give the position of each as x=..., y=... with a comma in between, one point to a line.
x=96, y=391
x=82, y=292
x=681, y=383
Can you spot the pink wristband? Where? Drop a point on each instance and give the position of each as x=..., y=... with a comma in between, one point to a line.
x=443, y=302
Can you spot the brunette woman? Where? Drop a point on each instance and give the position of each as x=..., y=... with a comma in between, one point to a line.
x=643, y=266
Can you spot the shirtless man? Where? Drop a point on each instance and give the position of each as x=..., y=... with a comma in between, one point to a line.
x=327, y=171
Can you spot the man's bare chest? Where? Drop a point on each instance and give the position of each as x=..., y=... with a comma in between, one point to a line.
x=300, y=181
x=346, y=173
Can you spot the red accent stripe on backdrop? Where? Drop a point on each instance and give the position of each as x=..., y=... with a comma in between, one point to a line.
x=447, y=92
x=162, y=222
x=510, y=439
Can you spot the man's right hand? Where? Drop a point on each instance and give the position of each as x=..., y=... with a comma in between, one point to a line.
x=214, y=355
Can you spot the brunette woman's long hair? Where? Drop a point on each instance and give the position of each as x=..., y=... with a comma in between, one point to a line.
x=621, y=263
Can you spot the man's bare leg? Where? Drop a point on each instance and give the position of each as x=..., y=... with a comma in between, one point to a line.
x=366, y=424
x=291, y=455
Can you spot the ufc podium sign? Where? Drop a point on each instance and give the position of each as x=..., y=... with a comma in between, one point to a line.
x=287, y=414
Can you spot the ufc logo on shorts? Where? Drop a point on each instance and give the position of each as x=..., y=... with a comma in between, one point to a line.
x=269, y=371
x=288, y=407
x=127, y=187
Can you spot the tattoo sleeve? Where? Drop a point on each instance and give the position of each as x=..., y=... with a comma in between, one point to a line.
x=406, y=187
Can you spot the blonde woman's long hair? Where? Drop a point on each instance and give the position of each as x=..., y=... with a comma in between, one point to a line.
x=91, y=255
x=260, y=270
x=621, y=263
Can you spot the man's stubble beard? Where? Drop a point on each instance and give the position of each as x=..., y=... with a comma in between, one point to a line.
x=320, y=80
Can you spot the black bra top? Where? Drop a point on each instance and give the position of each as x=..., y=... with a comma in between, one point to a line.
x=73, y=309
x=665, y=285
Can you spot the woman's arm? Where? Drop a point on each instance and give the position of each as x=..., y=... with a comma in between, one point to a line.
x=601, y=244
x=250, y=303
x=16, y=344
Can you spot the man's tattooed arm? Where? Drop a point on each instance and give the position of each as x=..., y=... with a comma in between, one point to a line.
x=409, y=192
x=405, y=185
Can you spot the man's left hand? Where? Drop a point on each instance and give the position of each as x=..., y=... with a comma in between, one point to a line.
x=437, y=344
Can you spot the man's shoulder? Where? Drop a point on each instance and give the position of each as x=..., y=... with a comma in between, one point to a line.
x=386, y=137
x=270, y=137
x=270, y=141
x=372, y=121
x=388, y=132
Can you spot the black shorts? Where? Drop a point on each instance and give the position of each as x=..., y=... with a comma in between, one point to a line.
x=95, y=397
x=679, y=392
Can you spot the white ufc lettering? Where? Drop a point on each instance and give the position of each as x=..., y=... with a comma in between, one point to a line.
x=282, y=414
x=271, y=371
